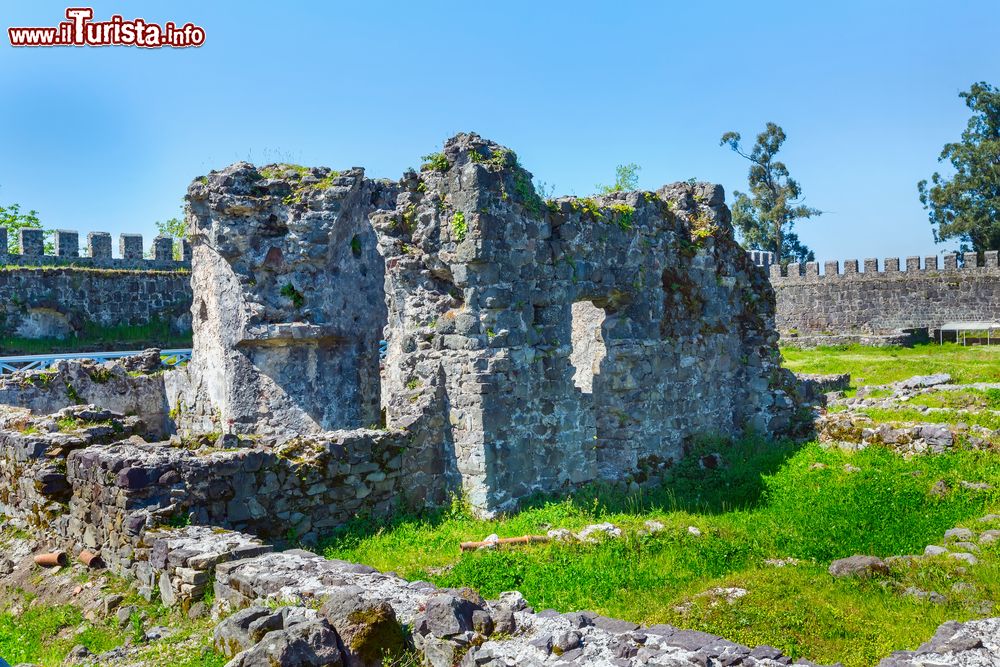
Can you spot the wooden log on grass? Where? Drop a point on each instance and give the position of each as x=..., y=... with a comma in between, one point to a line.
x=525, y=539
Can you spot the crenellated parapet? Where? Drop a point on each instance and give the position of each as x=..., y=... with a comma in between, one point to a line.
x=97, y=253
x=870, y=268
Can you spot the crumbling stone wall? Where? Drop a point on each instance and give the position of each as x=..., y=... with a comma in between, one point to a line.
x=54, y=296
x=481, y=278
x=886, y=299
x=116, y=386
x=288, y=308
x=296, y=492
x=34, y=489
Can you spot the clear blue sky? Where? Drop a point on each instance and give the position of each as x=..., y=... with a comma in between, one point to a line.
x=109, y=138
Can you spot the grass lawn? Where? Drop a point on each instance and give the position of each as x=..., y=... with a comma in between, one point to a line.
x=968, y=399
x=882, y=365
x=770, y=502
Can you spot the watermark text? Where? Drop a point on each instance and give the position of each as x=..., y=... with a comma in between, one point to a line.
x=81, y=30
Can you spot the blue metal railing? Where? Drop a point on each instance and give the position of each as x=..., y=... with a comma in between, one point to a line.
x=42, y=361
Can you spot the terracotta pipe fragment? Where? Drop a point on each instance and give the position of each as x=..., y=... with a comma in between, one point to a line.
x=91, y=559
x=52, y=559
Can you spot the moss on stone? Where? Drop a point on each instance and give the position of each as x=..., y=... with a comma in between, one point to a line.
x=377, y=634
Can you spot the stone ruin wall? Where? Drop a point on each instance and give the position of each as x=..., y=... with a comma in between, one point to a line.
x=288, y=309
x=878, y=302
x=54, y=296
x=480, y=325
x=286, y=422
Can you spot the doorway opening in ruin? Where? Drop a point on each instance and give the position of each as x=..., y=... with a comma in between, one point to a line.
x=587, y=342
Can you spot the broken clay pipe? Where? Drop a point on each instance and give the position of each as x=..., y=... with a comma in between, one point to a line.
x=51, y=559
x=527, y=539
x=91, y=559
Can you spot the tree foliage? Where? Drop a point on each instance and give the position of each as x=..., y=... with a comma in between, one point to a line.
x=13, y=220
x=766, y=216
x=966, y=207
x=626, y=179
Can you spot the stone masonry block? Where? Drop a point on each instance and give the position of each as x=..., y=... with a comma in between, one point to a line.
x=831, y=268
x=892, y=264
x=163, y=248
x=130, y=246
x=931, y=263
x=67, y=243
x=950, y=261
x=32, y=242
x=871, y=265
x=912, y=263
x=99, y=244
x=970, y=260
x=850, y=267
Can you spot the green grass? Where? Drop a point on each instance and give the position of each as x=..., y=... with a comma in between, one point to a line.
x=770, y=502
x=989, y=420
x=970, y=399
x=43, y=634
x=95, y=338
x=881, y=365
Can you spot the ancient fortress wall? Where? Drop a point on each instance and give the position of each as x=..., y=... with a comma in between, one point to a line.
x=888, y=298
x=58, y=295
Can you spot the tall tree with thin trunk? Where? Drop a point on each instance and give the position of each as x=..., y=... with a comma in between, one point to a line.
x=766, y=216
x=966, y=207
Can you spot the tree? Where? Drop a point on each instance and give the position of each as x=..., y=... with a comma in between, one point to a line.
x=766, y=216
x=176, y=229
x=13, y=220
x=967, y=206
x=626, y=179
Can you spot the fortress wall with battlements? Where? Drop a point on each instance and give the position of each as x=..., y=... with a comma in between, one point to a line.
x=872, y=298
x=59, y=295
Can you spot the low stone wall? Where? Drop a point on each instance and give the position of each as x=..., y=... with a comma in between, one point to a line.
x=34, y=489
x=115, y=386
x=296, y=491
x=840, y=340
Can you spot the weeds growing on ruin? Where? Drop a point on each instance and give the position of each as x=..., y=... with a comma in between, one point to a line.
x=296, y=297
x=459, y=227
x=435, y=162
